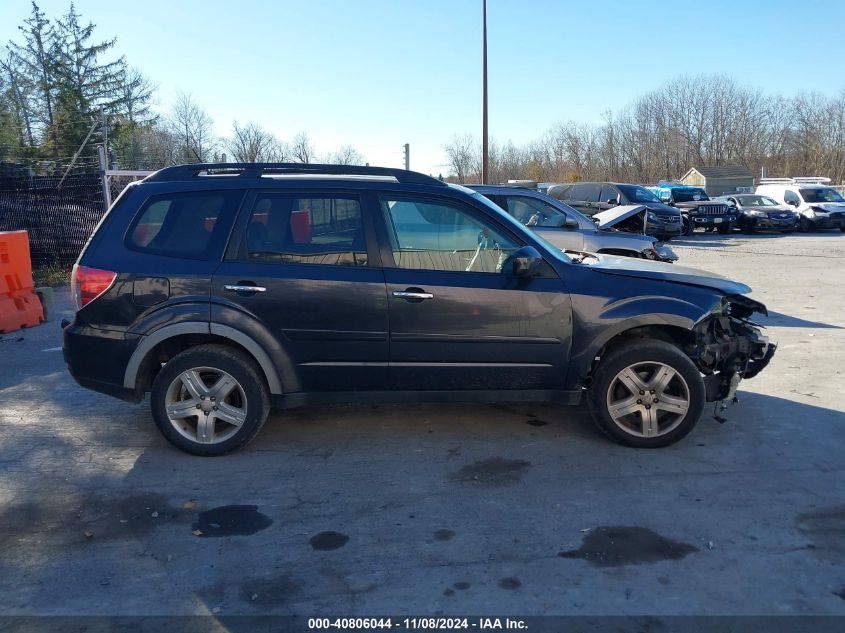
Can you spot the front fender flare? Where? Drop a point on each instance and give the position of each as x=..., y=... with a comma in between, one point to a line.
x=628, y=314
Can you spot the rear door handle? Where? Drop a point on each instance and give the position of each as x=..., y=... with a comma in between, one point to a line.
x=412, y=294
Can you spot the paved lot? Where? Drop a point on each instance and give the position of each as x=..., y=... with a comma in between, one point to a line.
x=518, y=509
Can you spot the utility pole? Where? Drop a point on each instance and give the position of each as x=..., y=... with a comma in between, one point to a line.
x=407, y=147
x=105, y=130
x=485, y=158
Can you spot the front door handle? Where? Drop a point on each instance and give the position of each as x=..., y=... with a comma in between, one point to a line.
x=414, y=295
x=243, y=287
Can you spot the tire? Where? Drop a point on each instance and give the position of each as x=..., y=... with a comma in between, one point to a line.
x=842, y=228
x=194, y=380
x=804, y=225
x=724, y=229
x=689, y=227
x=646, y=358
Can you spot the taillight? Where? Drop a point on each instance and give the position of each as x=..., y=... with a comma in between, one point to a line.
x=89, y=283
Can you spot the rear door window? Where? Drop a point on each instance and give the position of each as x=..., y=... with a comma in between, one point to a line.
x=608, y=194
x=193, y=225
x=586, y=192
x=306, y=228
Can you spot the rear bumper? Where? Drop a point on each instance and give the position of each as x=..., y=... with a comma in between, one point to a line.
x=97, y=359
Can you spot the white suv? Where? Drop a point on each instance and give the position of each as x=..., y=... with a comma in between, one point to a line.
x=818, y=205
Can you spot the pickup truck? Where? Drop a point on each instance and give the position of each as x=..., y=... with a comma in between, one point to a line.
x=698, y=210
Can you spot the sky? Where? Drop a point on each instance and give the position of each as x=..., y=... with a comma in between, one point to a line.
x=377, y=74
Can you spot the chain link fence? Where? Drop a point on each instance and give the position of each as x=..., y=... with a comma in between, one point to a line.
x=59, y=216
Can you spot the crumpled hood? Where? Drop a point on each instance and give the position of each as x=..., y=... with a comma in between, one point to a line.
x=828, y=206
x=660, y=271
x=617, y=214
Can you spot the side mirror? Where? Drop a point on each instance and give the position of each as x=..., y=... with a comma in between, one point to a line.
x=571, y=223
x=793, y=203
x=523, y=262
x=612, y=201
x=666, y=198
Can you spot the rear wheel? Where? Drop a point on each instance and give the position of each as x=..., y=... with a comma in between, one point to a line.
x=210, y=400
x=646, y=394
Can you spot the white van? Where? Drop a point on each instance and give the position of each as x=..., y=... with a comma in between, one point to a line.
x=819, y=206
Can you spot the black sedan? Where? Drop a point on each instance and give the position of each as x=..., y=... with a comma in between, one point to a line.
x=761, y=212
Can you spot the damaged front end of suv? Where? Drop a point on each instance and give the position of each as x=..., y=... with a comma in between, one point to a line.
x=728, y=346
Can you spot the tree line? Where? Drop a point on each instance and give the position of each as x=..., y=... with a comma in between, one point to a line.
x=64, y=91
x=691, y=121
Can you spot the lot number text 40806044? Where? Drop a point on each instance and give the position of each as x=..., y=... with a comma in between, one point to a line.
x=430, y=624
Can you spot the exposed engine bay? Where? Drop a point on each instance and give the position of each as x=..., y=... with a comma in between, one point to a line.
x=727, y=346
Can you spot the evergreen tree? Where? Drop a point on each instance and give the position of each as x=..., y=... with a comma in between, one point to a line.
x=37, y=58
x=86, y=83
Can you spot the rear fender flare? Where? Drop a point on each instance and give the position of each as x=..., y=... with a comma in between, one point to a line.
x=150, y=341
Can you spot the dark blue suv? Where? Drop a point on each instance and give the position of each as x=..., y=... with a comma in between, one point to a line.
x=224, y=289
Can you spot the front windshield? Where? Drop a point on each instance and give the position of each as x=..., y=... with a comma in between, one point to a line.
x=689, y=195
x=635, y=193
x=822, y=194
x=757, y=201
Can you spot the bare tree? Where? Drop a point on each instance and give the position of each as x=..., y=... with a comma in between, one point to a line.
x=192, y=125
x=346, y=155
x=301, y=148
x=251, y=143
x=464, y=155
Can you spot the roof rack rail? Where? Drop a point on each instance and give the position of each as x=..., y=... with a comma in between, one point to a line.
x=258, y=170
x=798, y=180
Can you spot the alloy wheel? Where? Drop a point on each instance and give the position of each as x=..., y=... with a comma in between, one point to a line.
x=648, y=399
x=206, y=405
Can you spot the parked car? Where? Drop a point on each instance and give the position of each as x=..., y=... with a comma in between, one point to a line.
x=699, y=211
x=756, y=212
x=658, y=219
x=221, y=290
x=568, y=229
x=818, y=205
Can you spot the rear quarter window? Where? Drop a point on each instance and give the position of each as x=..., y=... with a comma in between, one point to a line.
x=191, y=225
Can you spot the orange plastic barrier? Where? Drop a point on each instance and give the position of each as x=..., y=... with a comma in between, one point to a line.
x=19, y=305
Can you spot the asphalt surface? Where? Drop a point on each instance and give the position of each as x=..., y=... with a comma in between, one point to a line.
x=453, y=509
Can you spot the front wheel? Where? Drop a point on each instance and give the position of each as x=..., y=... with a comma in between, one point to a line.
x=646, y=394
x=724, y=229
x=210, y=400
x=689, y=227
x=804, y=225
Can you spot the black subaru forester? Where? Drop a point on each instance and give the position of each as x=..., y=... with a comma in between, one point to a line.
x=225, y=289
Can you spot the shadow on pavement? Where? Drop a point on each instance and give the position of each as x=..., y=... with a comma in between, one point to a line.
x=352, y=499
x=778, y=319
